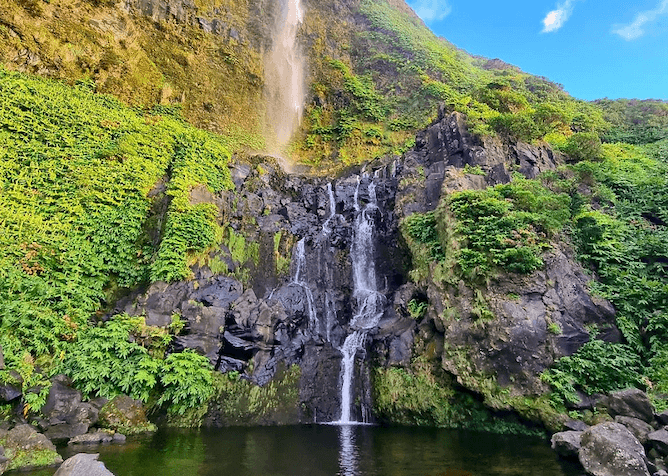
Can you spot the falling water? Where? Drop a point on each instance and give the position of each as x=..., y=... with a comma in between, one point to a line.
x=369, y=302
x=326, y=227
x=300, y=259
x=284, y=76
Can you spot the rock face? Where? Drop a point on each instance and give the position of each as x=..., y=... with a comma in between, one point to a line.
x=519, y=342
x=286, y=295
x=83, y=464
x=609, y=449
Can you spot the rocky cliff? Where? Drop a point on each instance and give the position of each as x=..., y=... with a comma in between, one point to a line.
x=284, y=295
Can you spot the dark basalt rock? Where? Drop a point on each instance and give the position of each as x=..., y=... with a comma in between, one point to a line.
x=631, y=402
x=65, y=415
x=659, y=441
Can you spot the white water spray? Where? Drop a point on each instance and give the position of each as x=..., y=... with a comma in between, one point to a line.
x=300, y=258
x=284, y=76
x=369, y=302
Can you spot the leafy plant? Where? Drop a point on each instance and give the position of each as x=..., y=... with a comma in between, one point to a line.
x=186, y=381
x=597, y=367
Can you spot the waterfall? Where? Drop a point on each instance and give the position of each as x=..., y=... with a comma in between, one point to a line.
x=368, y=301
x=284, y=76
x=300, y=260
x=326, y=228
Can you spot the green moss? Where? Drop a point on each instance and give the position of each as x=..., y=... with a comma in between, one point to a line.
x=30, y=459
x=237, y=401
x=422, y=396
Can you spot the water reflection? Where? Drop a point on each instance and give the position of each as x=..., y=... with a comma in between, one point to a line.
x=326, y=450
x=348, y=451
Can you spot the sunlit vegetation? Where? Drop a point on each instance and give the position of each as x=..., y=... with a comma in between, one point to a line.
x=79, y=175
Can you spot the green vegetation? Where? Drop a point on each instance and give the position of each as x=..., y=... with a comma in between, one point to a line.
x=424, y=396
x=597, y=367
x=506, y=227
x=76, y=178
x=236, y=401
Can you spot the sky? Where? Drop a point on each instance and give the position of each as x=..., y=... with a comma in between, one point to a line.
x=594, y=48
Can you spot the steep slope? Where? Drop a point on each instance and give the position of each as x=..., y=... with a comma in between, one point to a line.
x=509, y=230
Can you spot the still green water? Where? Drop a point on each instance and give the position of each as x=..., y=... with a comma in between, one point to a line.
x=314, y=450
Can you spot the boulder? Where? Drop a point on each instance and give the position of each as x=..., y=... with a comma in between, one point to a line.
x=609, y=449
x=26, y=449
x=631, y=402
x=567, y=443
x=65, y=414
x=575, y=425
x=659, y=441
x=639, y=428
x=83, y=464
x=125, y=415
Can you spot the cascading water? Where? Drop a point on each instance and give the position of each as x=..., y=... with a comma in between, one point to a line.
x=284, y=76
x=369, y=302
x=300, y=259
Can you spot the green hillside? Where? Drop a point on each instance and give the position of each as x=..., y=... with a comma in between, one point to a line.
x=109, y=120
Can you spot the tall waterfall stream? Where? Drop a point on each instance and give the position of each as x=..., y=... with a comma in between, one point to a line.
x=284, y=76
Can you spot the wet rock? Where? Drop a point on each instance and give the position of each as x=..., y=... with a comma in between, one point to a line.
x=630, y=402
x=609, y=449
x=639, y=428
x=567, y=443
x=83, y=464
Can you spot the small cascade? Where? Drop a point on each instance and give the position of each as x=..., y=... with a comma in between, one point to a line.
x=300, y=260
x=326, y=227
x=284, y=75
x=368, y=300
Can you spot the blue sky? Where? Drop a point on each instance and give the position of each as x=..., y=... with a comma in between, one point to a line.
x=595, y=48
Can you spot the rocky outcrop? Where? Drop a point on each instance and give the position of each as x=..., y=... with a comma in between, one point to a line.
x=83, y=464
x=532, y=319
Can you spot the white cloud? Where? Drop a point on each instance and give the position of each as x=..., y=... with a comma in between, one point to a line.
x=556, y=18
x=635, y=30
x=431, y=10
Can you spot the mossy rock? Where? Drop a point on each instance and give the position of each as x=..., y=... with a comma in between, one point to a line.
x=125, y=415
x=26, y=449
